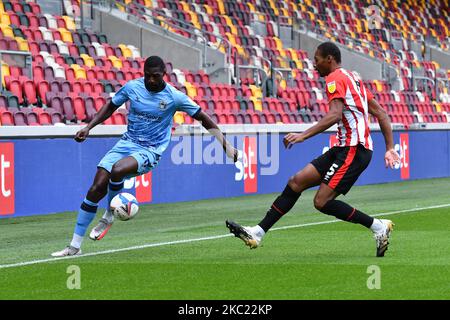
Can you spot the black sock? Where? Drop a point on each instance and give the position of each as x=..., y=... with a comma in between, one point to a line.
x=280, y=206
x=343, y=211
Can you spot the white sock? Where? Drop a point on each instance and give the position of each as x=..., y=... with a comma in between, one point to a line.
x=108, y=216
x=377, y=225
x=258, y=230
x=76, y=241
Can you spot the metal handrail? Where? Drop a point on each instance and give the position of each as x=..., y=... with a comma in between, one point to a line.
x=254, y=68
x=278, y=22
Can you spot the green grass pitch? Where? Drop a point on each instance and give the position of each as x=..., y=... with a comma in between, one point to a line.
x=313, y=261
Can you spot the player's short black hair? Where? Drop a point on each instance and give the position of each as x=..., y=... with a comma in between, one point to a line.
x=153, y=62
x=330, y=49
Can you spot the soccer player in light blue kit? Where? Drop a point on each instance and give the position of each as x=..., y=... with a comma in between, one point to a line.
x=153, y=105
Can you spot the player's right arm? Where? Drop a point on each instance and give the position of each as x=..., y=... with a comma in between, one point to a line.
x=104, y=113
x=391, y=156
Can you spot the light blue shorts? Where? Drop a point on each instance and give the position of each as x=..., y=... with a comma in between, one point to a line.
x=146, y=159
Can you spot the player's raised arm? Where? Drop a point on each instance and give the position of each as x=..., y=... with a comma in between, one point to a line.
x=212, y=127
x=104, y=113
x=332, y=117
x=391, y=156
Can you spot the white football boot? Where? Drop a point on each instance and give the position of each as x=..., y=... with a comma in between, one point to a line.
x=67, y=251
x=249, y=235
x=382, y=236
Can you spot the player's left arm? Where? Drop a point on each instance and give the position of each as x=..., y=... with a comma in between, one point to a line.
x=212, y=128
x=391, y=156
x=332, y=117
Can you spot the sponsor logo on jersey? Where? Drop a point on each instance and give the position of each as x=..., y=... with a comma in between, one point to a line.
x=163, y=105
x=331, y=172
x=331, y=86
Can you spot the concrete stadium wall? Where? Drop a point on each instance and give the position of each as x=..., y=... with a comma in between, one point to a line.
x=367, y=67
x=49, y=175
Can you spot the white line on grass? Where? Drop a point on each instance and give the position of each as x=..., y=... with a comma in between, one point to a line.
x=160, y=244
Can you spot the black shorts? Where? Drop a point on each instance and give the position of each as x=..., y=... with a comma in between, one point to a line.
x=340, y=167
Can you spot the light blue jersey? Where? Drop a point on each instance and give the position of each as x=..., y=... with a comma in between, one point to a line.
x=149, y=124
x=151, y=114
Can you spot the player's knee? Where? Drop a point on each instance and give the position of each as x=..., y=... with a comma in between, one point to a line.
x=118, y=171
x=319, y=202
x=294, y=185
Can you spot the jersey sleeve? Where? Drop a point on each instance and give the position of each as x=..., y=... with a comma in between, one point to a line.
x=369, y=94
x=121, y=96
x=185, y=104
x=336, y=88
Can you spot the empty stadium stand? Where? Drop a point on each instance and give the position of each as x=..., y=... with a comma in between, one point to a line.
x=75, y=71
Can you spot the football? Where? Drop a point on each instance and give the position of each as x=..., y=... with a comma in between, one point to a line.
x=124, y=206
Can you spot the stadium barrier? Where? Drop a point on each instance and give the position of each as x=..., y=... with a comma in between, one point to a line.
x=42, y=174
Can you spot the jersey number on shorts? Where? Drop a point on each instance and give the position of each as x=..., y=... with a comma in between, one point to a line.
x=331, y=172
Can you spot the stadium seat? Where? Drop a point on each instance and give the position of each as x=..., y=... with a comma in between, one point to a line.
x=56, y=104
x=32, y=119
x=79, y=108
x=57, y=118
x=20, y=119
x=77, y=55
x=6, y=118
x=119, y=118
x=68, y=109
x=30, y=92
x=16, y=88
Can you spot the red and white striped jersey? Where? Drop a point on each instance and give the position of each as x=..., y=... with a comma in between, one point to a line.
x=353, y=129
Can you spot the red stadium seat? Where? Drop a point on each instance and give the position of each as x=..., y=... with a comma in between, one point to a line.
x=77, y=86
x=44, y=118
x=99, y=103
x=108, y=121
x=16, y=88
x=256, y=119
x=15, y=71
x=30, y=92
x=7, y=118
x=88, y=88
x=80, y=110
x=119, y=118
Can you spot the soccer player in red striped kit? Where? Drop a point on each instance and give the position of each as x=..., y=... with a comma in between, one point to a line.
x=338, y=169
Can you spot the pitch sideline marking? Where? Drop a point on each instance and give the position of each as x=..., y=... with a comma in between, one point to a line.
x=160, y=244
